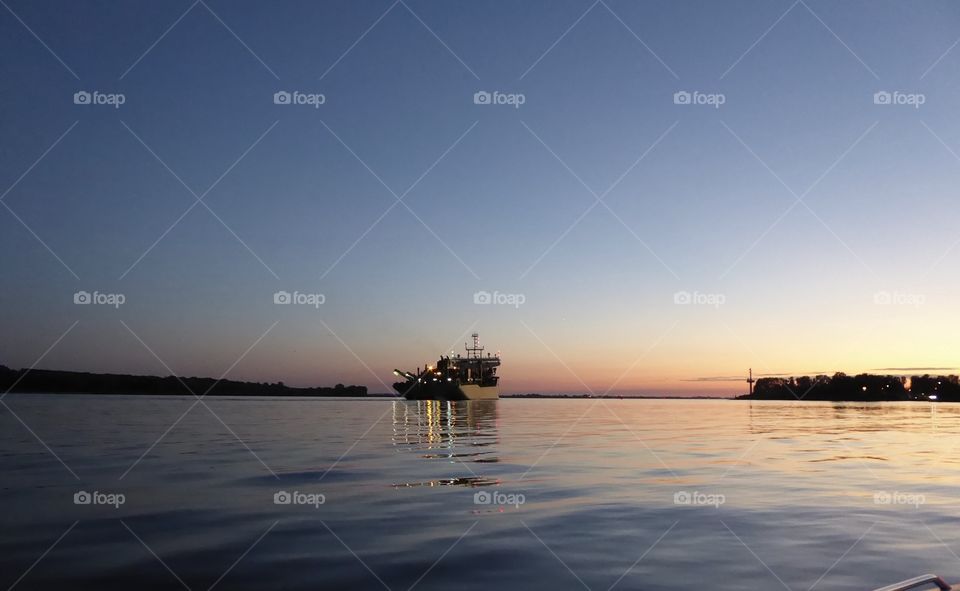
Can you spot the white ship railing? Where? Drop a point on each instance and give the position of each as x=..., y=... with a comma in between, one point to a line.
x=923, y=581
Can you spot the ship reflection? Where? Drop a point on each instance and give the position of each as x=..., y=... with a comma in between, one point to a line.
x=445, y=425
x=460, y=432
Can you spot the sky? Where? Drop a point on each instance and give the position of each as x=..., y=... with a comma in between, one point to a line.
x=656, y=195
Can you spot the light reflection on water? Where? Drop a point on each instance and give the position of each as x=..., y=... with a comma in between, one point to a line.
x=835, y=496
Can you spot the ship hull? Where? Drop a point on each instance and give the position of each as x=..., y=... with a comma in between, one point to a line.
x=446, y=391
x=475, y=392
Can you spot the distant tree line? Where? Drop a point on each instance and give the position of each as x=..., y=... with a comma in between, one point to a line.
x=862, y=387
x=52, y=381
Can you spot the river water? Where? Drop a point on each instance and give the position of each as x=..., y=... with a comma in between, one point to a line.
x=252, y=493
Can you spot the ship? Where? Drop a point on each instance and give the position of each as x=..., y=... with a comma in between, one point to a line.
x=470, y=377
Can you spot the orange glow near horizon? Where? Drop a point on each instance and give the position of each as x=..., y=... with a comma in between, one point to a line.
x=684, y=353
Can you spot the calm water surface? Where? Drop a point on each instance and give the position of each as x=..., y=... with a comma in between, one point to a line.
x=528, y=494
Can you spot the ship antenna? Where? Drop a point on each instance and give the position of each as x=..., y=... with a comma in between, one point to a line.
x=476, y=350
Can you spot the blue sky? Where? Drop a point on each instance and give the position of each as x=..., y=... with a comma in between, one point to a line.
x=697, y=190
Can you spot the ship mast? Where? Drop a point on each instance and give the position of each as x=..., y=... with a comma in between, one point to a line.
x=476, y=351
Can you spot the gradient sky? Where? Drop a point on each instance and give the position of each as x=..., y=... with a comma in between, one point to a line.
x=710, y=208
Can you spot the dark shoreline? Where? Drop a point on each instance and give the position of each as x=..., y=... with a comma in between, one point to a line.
x=837, y=388
x=859, y=388
x=45, y=381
